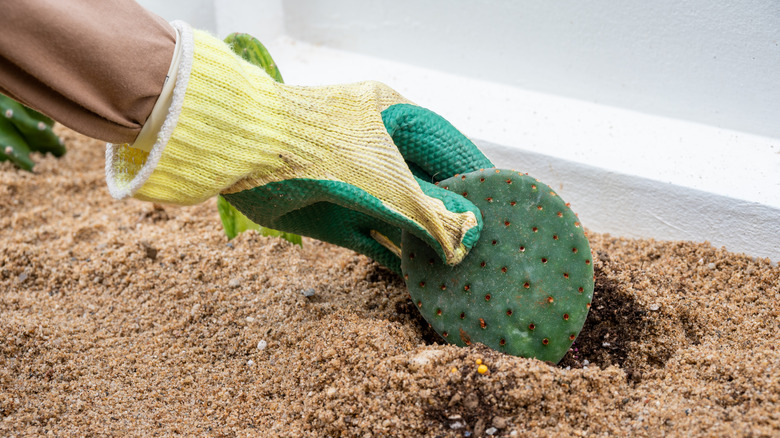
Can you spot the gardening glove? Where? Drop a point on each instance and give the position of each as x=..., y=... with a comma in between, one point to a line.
x=24, y=130
x=326, y=162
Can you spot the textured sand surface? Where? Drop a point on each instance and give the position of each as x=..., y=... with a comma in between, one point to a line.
x=130, y=319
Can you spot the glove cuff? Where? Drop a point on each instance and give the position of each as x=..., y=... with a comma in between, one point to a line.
x=204, y=145
x=129, y=168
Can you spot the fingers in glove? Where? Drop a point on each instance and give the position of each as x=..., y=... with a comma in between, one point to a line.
x=454, y=203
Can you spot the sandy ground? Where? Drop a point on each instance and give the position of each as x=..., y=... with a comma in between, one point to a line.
x=132, y=319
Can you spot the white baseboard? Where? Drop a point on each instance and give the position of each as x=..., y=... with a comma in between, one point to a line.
x=633, y=206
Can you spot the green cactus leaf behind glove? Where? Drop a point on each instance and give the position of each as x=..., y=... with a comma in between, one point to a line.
x=233, y=221
x=252, y=50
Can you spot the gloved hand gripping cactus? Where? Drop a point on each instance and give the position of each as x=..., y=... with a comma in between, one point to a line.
x=356, y=165
x=369, y=214
x=327, y=162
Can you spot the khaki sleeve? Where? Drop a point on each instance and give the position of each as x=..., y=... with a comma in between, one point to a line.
x=95, y=66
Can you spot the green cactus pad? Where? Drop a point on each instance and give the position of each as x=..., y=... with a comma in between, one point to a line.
x=526, y=286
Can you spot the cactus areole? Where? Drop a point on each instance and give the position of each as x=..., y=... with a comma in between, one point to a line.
x=526, y=286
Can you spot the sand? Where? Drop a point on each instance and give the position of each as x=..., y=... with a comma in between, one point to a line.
x=124, y=318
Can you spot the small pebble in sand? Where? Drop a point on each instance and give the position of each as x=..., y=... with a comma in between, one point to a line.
x=149, y=251
x=250, y=363
x=500, y=422
x=491, y=431
x=471, y=401
x=261, y=345
x=234, y=282
x=308, y=293
x=654, y=307
x=423, y=359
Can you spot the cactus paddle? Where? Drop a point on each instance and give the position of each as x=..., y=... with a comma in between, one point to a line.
x=526, y=286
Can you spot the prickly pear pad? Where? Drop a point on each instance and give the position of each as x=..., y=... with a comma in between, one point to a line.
x=526, y=286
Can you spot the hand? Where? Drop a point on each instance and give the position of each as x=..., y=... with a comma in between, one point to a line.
x=335, y=163
x=349, y=215
x=24, y=130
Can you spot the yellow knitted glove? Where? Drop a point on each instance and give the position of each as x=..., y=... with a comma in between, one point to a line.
x=233, y=130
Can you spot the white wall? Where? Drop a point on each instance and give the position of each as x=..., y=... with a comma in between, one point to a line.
x=263, y=19
x=199, y=13
x=710, y=61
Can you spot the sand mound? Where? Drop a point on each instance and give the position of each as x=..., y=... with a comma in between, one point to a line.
x=127, y=318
